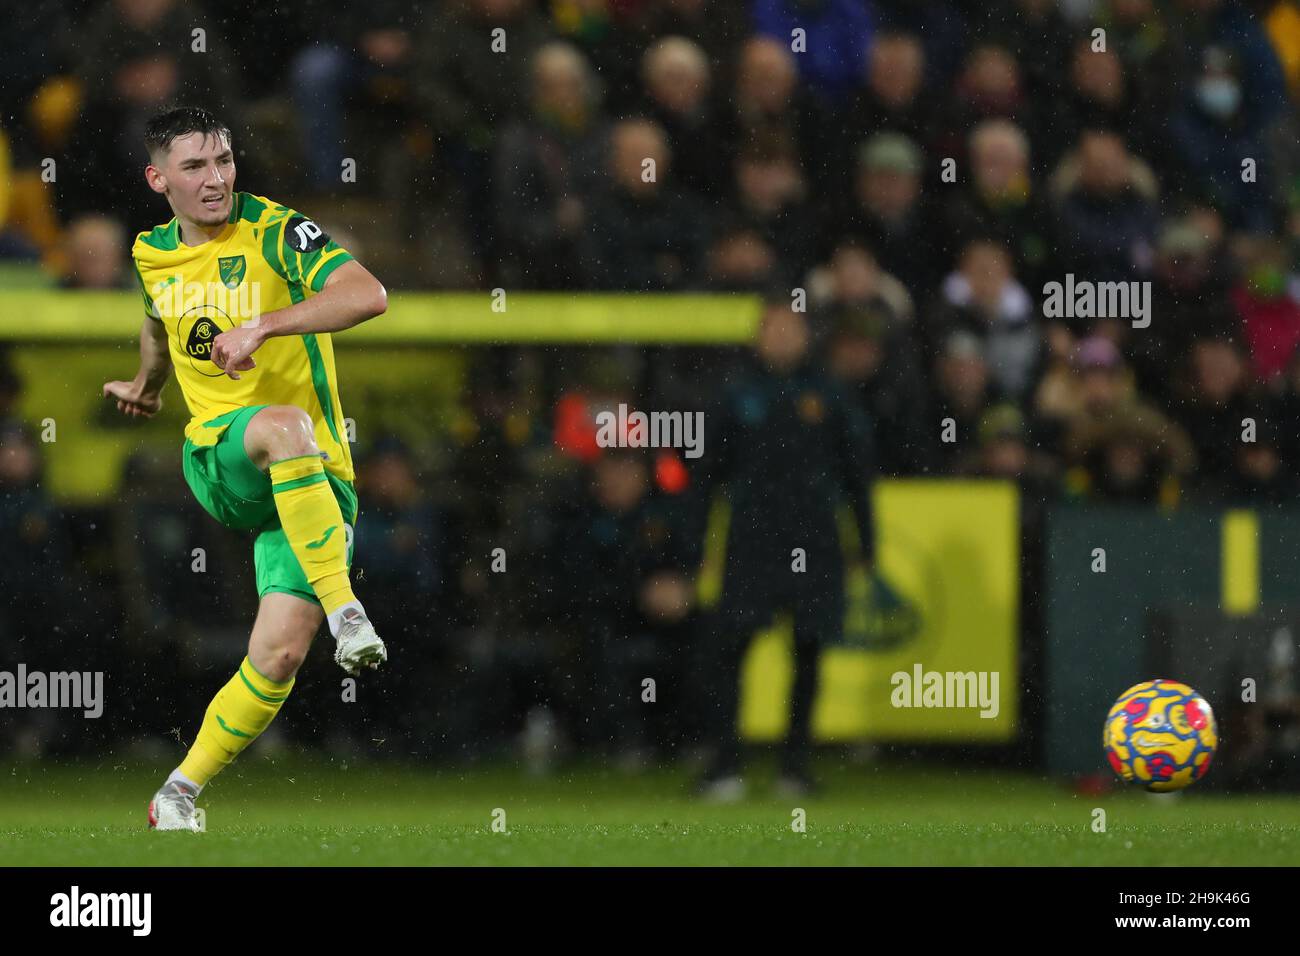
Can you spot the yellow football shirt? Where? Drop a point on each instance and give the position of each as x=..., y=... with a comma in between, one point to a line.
x=267, y=258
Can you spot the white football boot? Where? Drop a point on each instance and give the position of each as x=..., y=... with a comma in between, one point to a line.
x=172, y=808
x=358, y=644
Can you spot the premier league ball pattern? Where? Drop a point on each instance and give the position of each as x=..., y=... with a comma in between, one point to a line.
x=1160, y=734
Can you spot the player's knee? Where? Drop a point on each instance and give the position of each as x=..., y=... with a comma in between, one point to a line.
x=285, y=661
x=281, y=662
x=282, y=431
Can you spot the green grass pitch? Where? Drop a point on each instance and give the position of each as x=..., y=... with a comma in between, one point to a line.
x=281, y=811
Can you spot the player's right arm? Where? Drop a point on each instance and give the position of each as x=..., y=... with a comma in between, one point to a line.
x=143, y=394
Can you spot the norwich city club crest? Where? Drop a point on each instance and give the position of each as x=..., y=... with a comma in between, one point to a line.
x=232, y=269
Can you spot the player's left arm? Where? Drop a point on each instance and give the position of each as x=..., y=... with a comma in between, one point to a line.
x=350, y=296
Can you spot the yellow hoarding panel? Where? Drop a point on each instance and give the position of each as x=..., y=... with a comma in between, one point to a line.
x=942, y=667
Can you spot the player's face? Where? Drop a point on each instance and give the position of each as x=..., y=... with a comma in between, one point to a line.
x=199, y=172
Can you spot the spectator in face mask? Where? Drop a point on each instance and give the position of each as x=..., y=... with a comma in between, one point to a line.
x=1233, y=97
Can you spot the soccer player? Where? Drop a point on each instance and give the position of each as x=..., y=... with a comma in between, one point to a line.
x=241, y=295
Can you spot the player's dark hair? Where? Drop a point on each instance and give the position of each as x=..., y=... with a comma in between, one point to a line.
x=181, y=121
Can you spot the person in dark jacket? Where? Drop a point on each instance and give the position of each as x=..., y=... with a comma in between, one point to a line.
x=788, y=447
x=645, y=233
x=622, y=585
x=874, y=355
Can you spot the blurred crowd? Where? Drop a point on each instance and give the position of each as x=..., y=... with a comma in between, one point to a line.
x=920, y=171
x=917, y=172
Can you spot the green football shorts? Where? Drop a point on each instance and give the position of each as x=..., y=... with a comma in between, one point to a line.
x=238, y=494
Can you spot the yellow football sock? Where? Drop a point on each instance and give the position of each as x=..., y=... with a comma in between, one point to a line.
x=241, y=710
x=313, y=525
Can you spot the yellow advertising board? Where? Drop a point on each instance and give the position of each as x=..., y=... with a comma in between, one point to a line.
x=948, y=673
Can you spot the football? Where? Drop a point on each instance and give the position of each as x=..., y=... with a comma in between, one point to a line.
x=1160, y=734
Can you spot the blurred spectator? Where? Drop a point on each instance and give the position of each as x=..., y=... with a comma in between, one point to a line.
x=1035, y=32
x=402, y=535
x=543, y=166
x=1120, y=448
x=720, y=27
x=30, y=526
x=892, y=100
x=677, y=77
x=1189, y=292
x=134, y=57
x=873, y=356
x=1282, y=21
x=1214, y=414
x=1099, y=96
x=1284, y=413
x=468, y=91
x=989, y=87
x=889, y=214
x=97, y=254
x=29, y=227
x=767, y=102
x=39, y=603
x=1002, y=202
x=1105, y=203
x=401, y=549
x=366, y=55
x=854, y=278
x=836, y=35
x=769, y=204
x=1138, y=31
x=741, y=260
x=962, y=393
x=156, y=529
x=644, y=232
x=624, y=583
x=983, y=298
x=1005, y=451
x=36, y=51
x=1231, y=92
x=1267, y=300
x=13, y=243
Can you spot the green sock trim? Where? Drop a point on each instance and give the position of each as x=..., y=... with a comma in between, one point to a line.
x=278, y=683
x=232, y=730
x=302, y=482
x=258, y=694
x=280, y=461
